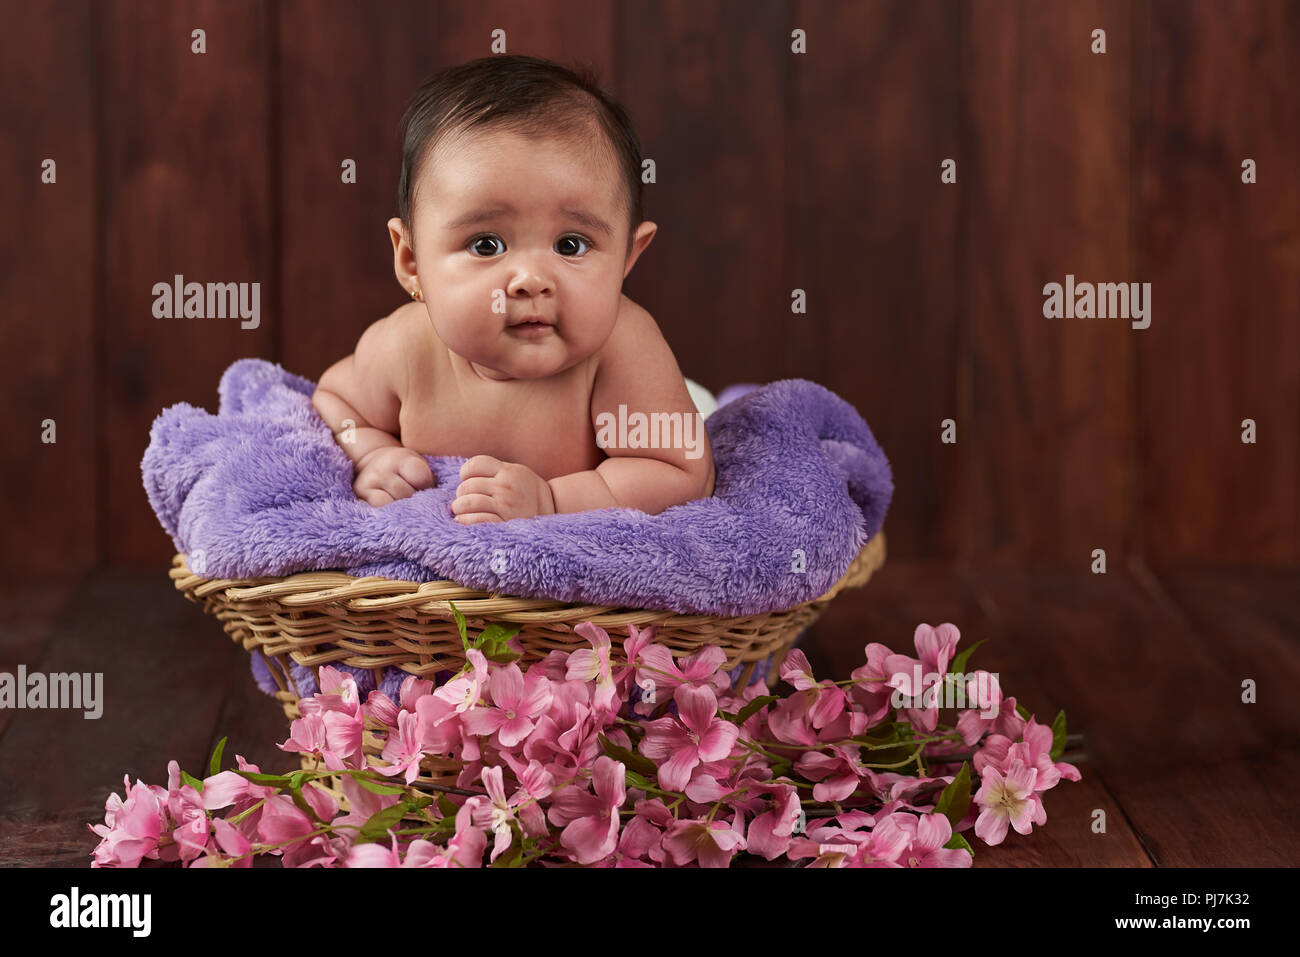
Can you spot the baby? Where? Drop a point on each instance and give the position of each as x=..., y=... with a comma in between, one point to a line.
x=519, y=216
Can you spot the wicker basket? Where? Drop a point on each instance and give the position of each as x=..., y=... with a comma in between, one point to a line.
x=320, y=618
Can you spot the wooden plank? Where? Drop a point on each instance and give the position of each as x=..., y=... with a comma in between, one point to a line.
x=706, y=84
x=1235, y=813
x=166, y=670
x=1222, y=259
x=1045, y=424
x=28, y=611
x=186, y=161
x=48, y=286
x=874, y=111
x=337, y=257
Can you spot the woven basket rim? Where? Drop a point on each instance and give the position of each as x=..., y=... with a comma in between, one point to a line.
x=376, y=593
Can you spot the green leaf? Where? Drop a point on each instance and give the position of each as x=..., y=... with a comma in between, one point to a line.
x=378, y=788
x=447, y=806
x=635, y=780
x=751, y=709
x=460, y=624
x=958, y=665
x=1023, y=711
x=278, y=780
x=191, y=780
x=1058, y=736
x=298, y=799
x=958, y=841
x=954, y=802
x=376, y=829
x=214, y=766
x=630, y=759
x=496, y=633
x=782, y=768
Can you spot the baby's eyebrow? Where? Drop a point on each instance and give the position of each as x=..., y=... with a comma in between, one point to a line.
x=476, y=216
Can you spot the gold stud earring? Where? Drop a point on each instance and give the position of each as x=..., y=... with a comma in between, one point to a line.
x=415, y=294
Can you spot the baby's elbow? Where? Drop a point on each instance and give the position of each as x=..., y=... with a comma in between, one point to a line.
x=700, y=478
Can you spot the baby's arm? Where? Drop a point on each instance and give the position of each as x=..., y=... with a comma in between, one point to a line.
x=360, y=387
x=360, y=397
x=637, y=369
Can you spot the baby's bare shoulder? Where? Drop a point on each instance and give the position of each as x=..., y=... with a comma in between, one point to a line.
x=634, y=328
x=635, y=358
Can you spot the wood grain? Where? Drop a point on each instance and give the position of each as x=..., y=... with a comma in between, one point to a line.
x=1046, y=405
x=187, y=191
x=48, y=286
x=1223, y=257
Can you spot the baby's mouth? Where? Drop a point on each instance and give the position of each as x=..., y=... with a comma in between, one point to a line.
x=531, y=326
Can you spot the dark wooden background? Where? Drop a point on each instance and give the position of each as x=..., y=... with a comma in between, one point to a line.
x=775, y=171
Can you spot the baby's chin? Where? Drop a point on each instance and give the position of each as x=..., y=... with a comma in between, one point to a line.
x=528, y=361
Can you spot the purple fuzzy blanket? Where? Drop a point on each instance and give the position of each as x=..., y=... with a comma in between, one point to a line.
x=262, y=488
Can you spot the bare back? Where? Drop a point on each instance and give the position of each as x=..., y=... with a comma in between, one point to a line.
x=542, y=423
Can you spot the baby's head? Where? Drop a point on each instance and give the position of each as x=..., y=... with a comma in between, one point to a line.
x=520, y=195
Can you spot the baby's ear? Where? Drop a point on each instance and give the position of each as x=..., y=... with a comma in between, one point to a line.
x=403, y=253
x=640, y=240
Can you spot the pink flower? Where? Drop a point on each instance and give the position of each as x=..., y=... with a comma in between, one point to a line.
x=494, y=811
x=232, y=843
x=840, y=847
x=770, y=833
x=311, y=735
x=927, y=835
x=636, y=641
x=466, y=848
x=420, y=853
x=131, y=827
x=696, y=734
x=338, y=692
x=712, y=843
x=923, y=680
x=1010, y=799
x=363, y=803
x=1035, y=751
x=665, y=674
x=464, y=691
x=517, y=701
x=593, y=665
x=838, y=774
x=826, y=700
x=590, y=821
x=404, y=749
x=972, y=724
x=873, y=690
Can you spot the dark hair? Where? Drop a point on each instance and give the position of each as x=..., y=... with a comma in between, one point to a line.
x=518, y=94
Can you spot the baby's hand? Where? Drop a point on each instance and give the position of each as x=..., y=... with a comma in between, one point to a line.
x=496, y=491
x=390, y=473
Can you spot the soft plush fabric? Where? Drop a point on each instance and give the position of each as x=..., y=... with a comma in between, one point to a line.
x=263, y=488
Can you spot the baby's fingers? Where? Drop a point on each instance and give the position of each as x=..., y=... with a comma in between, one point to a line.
x=416, y=472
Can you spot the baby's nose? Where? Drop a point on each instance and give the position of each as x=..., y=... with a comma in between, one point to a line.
x=530, y=283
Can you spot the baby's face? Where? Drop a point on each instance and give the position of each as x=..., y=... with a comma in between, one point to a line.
x=508, y=226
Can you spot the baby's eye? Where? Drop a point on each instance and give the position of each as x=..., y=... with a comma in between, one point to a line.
x=476, y=242
x=565, y=243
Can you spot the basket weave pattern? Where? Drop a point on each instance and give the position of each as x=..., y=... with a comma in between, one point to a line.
x=320, y=618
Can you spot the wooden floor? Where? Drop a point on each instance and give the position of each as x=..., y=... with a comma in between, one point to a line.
x=1148, y=664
